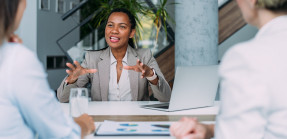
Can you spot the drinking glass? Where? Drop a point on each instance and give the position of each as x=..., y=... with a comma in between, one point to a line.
x=78, y=101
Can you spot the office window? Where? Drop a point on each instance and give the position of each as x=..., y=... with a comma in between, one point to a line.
x=72, y=5
x=60, y=6
x=44, y=5
x=222, y=2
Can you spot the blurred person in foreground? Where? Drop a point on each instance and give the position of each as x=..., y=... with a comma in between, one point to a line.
x=27, y=104
x=254, y=76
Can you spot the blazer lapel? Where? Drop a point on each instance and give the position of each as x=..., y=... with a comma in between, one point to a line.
x=104, y=70
x=133, y=75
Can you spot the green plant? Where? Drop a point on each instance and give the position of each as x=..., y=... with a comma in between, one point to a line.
x=161, y=14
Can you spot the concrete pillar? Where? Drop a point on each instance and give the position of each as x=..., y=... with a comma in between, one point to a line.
x=196, y=34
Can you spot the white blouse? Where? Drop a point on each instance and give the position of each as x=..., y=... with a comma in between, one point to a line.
x=119, y=91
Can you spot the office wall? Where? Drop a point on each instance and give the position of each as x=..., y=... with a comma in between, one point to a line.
x=28, y=27
x=50, y=28
x=171, y=12
x=196, y=34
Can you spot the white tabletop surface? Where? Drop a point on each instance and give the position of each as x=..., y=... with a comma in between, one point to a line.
x=133, y=108
x=91, y=136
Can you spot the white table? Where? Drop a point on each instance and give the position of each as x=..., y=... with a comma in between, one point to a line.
x=131, y=111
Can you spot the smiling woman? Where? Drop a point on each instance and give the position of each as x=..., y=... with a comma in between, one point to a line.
x=103, y=69
x=128, y=26
x=118, y=31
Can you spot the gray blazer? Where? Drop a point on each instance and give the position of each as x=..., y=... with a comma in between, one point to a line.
x=100, y=60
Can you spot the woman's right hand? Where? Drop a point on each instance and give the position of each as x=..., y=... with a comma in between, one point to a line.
x=190, y=128
x=75, y=72
x=86, y=123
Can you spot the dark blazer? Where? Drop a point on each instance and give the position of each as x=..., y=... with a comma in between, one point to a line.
x=100, y=60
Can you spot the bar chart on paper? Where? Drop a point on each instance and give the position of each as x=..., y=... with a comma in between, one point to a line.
x=111, y=128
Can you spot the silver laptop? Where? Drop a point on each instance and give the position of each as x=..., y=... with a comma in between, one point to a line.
x=194, y=87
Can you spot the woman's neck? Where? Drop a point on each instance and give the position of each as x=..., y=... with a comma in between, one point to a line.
x=119, y=53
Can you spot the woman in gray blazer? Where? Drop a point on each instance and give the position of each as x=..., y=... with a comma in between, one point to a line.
x=119, y=72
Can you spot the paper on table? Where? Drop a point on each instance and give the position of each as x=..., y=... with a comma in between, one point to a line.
x=111, y=128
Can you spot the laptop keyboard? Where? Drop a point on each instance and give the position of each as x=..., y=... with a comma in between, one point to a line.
x=162, y=107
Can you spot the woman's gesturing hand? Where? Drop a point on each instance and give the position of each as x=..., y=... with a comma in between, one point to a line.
x=140, y=67
x=190, y=128
x=75, y=72
x=86, y=123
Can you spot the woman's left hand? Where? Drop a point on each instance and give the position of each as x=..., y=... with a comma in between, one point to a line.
x=140, y=67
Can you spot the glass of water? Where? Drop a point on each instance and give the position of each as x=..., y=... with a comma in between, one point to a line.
x=78, y=101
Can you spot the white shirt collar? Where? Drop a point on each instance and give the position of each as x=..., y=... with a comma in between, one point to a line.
x=274, y=25
x=119, y=91
x=113, y=59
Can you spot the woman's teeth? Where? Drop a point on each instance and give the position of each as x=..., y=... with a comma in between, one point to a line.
x=115, y=38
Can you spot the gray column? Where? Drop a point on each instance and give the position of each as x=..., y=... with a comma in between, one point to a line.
x=196, y=34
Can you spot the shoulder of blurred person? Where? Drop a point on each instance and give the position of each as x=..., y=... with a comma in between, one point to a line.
x=267, y=48
x=253, y=81
x=18, y=55
x=23, y=84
